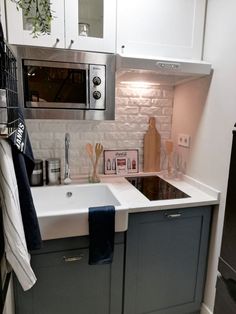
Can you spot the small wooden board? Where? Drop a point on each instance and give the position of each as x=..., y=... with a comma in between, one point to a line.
x=152, y=148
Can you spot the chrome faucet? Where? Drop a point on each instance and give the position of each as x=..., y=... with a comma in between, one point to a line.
x=67, y=178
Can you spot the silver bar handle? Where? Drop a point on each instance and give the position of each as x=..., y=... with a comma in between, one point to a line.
x=171, y=216
x=69, y=259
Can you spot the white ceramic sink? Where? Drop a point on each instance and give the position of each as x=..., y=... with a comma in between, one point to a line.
x=63, y=210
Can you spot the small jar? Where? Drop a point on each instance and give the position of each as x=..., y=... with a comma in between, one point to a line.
x=37, y=174
x=84, y=29
x=53, y=171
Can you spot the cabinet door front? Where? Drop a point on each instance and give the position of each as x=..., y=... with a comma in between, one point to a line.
x=66, y=284
x=165, y=262
x=19, y=27
x=161, y=28
x=90, y=25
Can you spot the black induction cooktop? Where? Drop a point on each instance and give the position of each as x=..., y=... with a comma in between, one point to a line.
x=155, y=188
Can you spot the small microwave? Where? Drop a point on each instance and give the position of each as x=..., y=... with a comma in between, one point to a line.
x=66, y=84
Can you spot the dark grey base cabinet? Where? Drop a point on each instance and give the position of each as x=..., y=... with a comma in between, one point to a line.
x=68, y=285
x=166, y=257
x=165, y=263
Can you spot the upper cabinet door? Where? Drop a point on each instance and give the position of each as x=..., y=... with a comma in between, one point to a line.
x=161, y=28
x=91, y=25
x=19, y=28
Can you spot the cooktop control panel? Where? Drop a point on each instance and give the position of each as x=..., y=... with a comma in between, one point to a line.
x=155, y=188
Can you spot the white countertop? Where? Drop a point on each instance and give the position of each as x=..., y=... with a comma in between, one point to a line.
x=200, y=194
x=60, y=216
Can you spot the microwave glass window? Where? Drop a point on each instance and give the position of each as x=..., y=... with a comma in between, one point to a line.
x=55, y=85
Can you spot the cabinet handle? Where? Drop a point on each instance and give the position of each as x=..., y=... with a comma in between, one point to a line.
x=71, y=43
x=70, y=259
x=57, y=41
x=170, y=216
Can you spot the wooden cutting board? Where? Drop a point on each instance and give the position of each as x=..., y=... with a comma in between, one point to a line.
x=152, y=148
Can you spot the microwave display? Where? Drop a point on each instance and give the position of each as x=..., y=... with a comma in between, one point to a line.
x=55, y=85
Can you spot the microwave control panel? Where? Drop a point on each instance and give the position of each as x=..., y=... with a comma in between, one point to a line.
x=97, y=75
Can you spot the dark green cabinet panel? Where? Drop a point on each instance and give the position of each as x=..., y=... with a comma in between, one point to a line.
x=166, y=260
x=67, y=284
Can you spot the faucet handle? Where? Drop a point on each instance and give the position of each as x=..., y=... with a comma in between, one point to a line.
x=67, y=138
x=67, y=180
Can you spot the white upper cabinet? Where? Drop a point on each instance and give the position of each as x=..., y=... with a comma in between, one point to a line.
x=78, y=24
x=161, y=28
x=3, y=17
x=19, y=29
x=91, y=25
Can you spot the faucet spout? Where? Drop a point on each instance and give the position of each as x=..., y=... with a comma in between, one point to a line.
x=67, y=178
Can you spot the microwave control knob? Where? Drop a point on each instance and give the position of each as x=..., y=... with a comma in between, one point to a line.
x=96, y=80
x=97, y=95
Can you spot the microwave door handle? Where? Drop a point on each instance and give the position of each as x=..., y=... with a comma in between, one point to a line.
x=87, y=105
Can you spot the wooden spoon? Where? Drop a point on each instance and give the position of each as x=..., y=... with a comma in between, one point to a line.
x=89, y=150
x=98, y=152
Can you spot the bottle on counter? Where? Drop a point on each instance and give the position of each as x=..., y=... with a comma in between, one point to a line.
x=53, y=171
x=108, y=164
x=128, y=164
x=113, y=164
x=37, y=174
x=133, y=164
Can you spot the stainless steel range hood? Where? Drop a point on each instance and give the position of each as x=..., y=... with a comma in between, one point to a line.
x=160, y=71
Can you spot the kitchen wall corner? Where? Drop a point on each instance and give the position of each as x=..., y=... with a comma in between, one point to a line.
x=188, y=112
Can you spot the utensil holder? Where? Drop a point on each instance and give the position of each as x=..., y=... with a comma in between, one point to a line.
x=94, y=177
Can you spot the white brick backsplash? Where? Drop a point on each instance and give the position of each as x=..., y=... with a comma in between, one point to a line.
x=128, y=110
x=116, y=135
x=39, y=135
x=134, y=106
x=52, y=126
x=162, y=102
x=167, y=111
x=128, y=143
x=140, y=102
x=163, y=119
x=90, y=136
x=165, y=135
x=151, y=111
x=132, y=118
x=122, y=101
x=165, y=127
x=106, y=126
x=33, y=125
x=150, y=93
x=168, y=92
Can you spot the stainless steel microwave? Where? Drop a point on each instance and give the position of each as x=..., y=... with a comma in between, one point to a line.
x=66, y=84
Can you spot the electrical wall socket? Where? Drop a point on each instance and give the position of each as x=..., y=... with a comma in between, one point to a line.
x=184, y=140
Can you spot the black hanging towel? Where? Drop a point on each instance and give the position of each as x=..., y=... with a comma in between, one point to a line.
x=23, y=160
x=101, y=234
